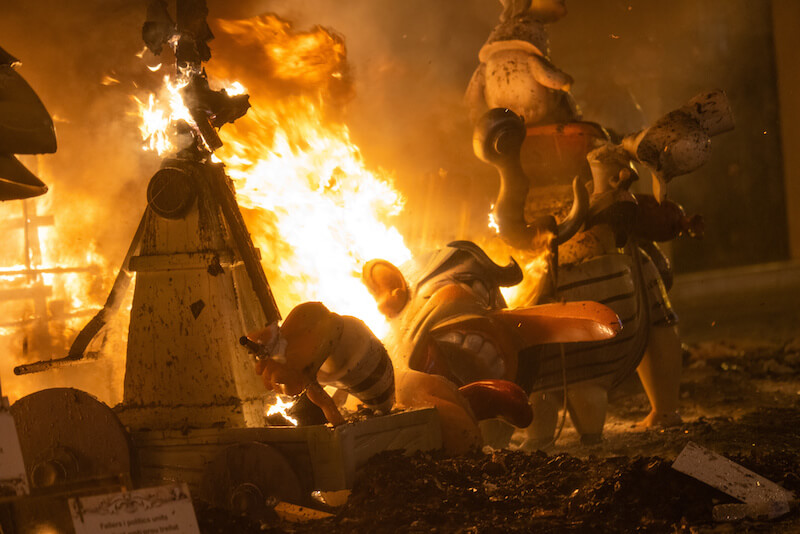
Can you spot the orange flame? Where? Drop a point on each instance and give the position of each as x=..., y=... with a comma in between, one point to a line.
x=282, y=407
x=160, y=113
x=309, y=58
x=312, y=206
x=52, y=281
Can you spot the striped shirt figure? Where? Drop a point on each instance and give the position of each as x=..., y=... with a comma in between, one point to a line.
x=360, y=365
x=629, y=285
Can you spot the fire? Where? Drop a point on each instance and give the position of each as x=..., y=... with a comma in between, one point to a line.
x=309, y=58
x=534, y=265
x=493, y=221
x=315, y=209
x=312, y=205
x=160, y=113
x=282, y=407
x=52, y=283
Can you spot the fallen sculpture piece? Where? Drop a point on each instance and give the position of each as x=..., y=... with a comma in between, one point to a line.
x=315, y=347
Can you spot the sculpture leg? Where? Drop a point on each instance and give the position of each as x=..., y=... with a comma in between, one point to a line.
x=545, y=419
x=660, y=373
x=587, y=404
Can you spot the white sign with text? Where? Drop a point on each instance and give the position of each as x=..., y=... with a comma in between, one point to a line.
x=161, y=510
x=13, y=480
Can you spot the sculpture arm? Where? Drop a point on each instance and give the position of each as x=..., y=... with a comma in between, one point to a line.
x=548, y=74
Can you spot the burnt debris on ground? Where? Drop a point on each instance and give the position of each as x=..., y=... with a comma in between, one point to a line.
x=515, y=491
x=738, y=399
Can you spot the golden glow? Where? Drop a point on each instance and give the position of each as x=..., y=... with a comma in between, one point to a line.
x=493, y=222
x=312, y=206
x=109, y=80
x=534, y=265
x=52, y=279
x=310, y=57
x=235, y=88
x=160, y=113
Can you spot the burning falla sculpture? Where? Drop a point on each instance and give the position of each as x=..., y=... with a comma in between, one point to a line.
x=193, y=409
x=604, y=248
x=315, y=347
x=455, y=344
x=25, y=128
x=199, y=283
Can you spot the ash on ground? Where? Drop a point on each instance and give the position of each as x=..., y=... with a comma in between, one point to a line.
x=740, y=399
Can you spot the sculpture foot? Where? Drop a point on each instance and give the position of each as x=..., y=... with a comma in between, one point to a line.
x=660, y=420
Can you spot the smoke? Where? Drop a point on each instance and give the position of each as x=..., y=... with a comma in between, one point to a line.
x=411, y=62
x=407, y=66
x=67, y=50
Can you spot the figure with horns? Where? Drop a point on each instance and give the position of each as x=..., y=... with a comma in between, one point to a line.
x=569, y=179
x=455, y=344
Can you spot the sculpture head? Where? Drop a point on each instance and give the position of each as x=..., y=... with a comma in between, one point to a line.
x=456, y=324
x=311, y=332
x=444, y=325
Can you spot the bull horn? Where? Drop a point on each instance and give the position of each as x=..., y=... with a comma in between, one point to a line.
x=497, y=140
x=505, y=276
x=577, y=214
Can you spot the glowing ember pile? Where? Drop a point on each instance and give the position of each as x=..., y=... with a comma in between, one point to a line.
x=312, y=206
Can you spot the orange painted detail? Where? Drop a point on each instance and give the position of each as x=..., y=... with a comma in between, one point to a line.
x=556, y=153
